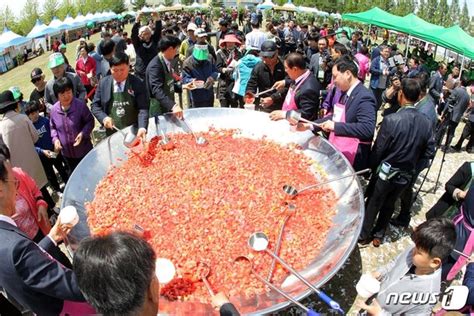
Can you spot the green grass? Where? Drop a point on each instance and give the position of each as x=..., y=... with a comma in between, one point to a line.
x=20, y=76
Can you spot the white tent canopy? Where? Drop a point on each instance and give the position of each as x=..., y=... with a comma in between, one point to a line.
x=267, y=4
x=40, y=30
x=56, y=23
x=9, y=38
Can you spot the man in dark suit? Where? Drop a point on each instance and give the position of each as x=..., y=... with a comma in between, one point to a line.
x=27, y=272
x=436, y=83
x=352, y=128
x=121, y=99
x=404, y=139
x=160, y=78
x=303, y=94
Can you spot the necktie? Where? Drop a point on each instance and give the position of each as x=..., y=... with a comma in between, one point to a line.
x=119, y=87
x=343, y=99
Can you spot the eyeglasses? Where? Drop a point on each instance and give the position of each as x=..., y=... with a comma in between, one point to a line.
x=16, y=181
x=35, y=80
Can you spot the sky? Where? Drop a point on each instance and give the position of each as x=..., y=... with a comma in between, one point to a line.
x=17, y=5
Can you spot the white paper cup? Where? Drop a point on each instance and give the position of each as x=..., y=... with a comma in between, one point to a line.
x=249, y=106
x=367, y=286
x=164, y=270
x=68, y=215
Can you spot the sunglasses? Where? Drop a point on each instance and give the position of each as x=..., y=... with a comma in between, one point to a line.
x=35, y=80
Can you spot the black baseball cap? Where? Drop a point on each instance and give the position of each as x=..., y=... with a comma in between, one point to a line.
x=36, y=73
x=268, y=49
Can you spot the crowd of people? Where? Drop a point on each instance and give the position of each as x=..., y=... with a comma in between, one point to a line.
x=340, y=81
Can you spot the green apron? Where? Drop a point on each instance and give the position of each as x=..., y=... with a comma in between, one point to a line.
x=122, y=108
x=168, y=87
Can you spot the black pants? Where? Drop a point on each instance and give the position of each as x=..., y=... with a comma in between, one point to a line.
x=204, y=104
x=406, y=201
x=467, y=132
x=381, y=202
x=55, y=252
x=71, y=164
x=58, y=164
x=450, y=134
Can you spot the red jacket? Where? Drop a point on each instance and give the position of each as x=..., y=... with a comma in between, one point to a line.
x=83, y=69
x=29, y=191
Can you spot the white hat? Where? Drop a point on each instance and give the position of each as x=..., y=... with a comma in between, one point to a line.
x=192, y=27
x=200, y=33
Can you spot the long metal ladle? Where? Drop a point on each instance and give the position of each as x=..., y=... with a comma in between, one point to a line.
x=290, y=212
x=275, y=288
x=259, y=242
x=129, y=139
x=290, y=190
x=164, y=142
x=199, y=140
x=294, y=117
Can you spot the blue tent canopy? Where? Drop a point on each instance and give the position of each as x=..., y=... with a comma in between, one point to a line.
x=9, y=38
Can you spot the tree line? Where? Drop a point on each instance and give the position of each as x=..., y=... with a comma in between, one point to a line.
x=434, y=11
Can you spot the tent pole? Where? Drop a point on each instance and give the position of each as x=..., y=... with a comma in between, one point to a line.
x=435, y=52
x=407, y=46
x=462, y=66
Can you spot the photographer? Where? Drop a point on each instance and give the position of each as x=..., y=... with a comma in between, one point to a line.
x=390, y=97
x=319, y=62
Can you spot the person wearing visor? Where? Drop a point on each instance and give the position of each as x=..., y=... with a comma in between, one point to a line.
x=58, y=68
x=199, y=70
x=265, y=75
x=161, y=78
x=121, y=99
x=18, y=95
x=202, y=39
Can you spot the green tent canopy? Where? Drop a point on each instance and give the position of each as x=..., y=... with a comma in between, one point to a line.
x=456, y=39
x=374, y=16
x=453, y=38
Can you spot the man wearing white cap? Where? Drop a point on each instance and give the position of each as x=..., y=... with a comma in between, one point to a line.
x=189, y=41
x=58, y=68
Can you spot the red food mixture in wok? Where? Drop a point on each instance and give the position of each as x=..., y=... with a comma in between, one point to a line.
x=201, y=204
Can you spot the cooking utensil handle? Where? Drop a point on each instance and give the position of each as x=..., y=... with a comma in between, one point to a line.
x=335, y=179
x=263, y=92
x=277, y=248
x=208, y=286
x=326, y=299
x=310, y=312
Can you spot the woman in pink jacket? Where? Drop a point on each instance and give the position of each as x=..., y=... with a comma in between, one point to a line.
x=85, y=68
x=364, y=63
